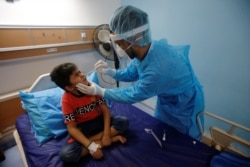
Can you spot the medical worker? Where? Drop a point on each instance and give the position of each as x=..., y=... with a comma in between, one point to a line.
x=157, y=67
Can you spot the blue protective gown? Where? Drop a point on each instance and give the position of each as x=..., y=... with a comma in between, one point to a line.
x=167, y=73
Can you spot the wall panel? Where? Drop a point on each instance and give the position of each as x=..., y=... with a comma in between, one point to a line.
x=48, y=36
x=15, y=37
x=35, y=41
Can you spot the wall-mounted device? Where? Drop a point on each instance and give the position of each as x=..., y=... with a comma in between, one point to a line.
x=83, y=35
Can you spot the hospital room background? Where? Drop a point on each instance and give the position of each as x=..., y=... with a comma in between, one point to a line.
x=218, y=32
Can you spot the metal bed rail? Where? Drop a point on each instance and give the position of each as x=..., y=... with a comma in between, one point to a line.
x=223, y=139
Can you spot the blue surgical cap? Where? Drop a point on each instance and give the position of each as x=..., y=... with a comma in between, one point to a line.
x=131, y=24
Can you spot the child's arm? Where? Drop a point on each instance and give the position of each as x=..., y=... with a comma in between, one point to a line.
x=77, y=134
x=106, y=138
x=81, y=138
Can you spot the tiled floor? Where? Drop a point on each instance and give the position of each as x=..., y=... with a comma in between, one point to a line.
x=12, y=158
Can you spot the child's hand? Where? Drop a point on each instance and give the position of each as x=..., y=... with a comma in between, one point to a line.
x=106, y=141
x=95, y=150
x=98, y=154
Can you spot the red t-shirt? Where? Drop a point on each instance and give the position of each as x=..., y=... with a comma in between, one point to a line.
x=81, y=109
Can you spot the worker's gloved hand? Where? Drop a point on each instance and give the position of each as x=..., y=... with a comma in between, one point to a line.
x=93, y=89
x=103, y=68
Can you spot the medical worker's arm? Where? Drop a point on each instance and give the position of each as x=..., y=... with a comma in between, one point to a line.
x=128, y=74
x=143, y=89
x=147, y=86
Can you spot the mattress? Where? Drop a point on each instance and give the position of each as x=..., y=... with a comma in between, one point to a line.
x=141, y=149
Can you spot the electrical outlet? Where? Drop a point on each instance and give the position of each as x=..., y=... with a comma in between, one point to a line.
x=83, y=35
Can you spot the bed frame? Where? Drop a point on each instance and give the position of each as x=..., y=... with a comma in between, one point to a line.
x=226, y=139
x=219, y=138
x=41, y=83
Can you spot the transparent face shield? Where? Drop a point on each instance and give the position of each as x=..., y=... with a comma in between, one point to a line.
x=115, y=37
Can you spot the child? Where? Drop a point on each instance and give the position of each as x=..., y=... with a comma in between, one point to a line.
x=87, y=117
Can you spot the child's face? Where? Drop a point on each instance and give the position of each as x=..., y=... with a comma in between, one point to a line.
x=77, y=77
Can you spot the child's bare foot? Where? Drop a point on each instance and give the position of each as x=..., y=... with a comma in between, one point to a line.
x=119, y=138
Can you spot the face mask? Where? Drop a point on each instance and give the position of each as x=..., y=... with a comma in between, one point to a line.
x=116, y=47
x=120, y=52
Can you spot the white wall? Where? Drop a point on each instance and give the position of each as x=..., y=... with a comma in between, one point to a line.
x=219, y=34
x=57, y=12
x=20, y=73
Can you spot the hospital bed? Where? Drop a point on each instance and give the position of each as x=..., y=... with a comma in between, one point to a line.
x=141, y=149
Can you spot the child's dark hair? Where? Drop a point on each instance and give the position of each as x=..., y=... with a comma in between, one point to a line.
x=61, y=74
